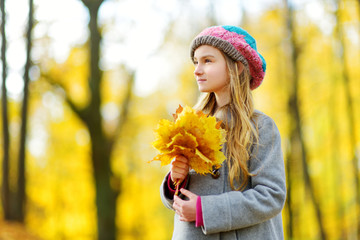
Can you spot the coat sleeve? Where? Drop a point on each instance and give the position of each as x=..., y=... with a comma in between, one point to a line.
x=266, y=196
x=164, y=194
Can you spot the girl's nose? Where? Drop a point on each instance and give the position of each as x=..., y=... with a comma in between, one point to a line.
x=198, y=70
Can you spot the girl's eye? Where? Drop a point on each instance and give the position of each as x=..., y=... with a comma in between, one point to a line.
x=207, y=60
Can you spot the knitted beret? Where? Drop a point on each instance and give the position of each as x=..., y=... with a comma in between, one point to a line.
x=238, y=45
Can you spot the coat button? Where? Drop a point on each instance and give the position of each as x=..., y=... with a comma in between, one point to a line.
x=215, y=173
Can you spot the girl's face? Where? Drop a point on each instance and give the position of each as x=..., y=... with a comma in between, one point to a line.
x=211, y=71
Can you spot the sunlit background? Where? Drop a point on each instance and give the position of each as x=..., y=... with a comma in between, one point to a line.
x=146, y=73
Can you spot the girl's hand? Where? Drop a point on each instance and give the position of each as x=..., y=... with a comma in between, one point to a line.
x=186, y=209
x=179, y=169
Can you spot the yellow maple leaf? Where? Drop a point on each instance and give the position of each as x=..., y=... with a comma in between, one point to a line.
x=194, y=135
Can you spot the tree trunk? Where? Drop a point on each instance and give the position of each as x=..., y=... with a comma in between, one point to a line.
x=106, y=184
x=101, y=146
x=20, y=198
x=105, y=195
x=298, y=151
x=289, y=200
x=5, y=193
x=350, y=114
x=335, y=159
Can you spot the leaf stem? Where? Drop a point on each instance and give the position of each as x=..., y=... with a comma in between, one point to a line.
x=177, y=184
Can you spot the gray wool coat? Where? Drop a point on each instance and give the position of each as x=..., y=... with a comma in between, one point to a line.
x=254, y=213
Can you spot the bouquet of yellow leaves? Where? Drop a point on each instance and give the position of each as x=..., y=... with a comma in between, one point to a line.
x=194, y=135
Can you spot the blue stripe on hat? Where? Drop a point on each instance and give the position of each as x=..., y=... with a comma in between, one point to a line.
x=263, y=62
x=248, y=38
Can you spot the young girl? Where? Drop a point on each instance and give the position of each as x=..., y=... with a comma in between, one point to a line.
x=244, y=198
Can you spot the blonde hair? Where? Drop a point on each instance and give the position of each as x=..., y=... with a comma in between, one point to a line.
x=238, y=120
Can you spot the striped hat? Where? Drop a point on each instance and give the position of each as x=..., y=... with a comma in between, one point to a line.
x=238, y=45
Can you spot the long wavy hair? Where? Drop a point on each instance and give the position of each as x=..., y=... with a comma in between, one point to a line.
x=238, y=119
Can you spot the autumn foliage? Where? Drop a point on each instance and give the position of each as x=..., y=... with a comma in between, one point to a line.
x=194, y=135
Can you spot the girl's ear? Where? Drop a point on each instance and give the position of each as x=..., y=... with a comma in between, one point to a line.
x=240, y=67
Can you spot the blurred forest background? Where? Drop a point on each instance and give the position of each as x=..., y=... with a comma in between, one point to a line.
x=85, y=82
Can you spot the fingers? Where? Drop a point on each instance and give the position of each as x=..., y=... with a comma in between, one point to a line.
x=180, y=162
x=187, y=193
x=178, y=206
x=179, y=168
x=186, y=209
x=181, y=158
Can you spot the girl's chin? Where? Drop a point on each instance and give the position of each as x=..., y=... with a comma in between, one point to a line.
x=204, y=90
